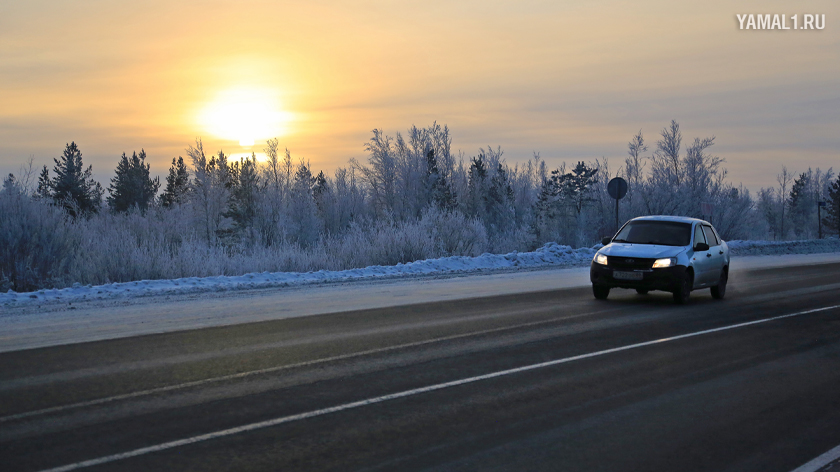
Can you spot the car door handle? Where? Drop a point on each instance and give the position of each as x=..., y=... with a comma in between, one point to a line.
x=721, y=252
x=708, y=255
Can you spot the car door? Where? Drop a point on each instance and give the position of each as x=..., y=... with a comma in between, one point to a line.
x=701, y=260
x=715, y=253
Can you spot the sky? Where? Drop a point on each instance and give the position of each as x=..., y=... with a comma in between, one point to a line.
x=570, y=80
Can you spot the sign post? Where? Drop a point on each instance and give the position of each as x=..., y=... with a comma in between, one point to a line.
x=617, y=188
x=819, y=217
x=706, y=209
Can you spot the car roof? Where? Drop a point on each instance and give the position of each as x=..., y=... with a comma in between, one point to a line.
x=677, y=219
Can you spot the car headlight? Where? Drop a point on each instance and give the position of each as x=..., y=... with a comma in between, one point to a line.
x=667, y=262
x=600, y=259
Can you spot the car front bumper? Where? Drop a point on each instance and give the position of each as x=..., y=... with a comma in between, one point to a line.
x=666, y=279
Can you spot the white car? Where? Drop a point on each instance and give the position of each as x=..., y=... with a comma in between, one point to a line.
x=670, y=253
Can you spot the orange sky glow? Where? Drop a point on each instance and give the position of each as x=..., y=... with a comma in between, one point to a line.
x=570, y=80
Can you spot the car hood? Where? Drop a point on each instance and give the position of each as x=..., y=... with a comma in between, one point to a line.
x=653, y=251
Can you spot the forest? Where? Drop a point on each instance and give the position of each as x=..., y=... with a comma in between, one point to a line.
x=412, y=199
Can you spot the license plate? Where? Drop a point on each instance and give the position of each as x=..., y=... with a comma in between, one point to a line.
x=628, y=275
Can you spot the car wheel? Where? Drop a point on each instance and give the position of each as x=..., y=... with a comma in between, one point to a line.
x=683, y=290
x=642, y=291
x=719, y=290
x=601, y=292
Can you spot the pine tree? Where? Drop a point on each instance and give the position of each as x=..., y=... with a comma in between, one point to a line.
x=132, y=186
x=72, y=187
x=44, y=190
x=437, y=188
x=498, y=200
x=476, y=187
x=305, y=225
x=545, y=208
x=797, y=203
x=577, y=185
x=319, y=191
x=244, y=192
x=10, y=184
x=832, y=209
x=177, y=184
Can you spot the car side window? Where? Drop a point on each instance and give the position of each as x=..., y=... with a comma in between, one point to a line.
x=710, y=236
x=717, y=236
x=698, y=235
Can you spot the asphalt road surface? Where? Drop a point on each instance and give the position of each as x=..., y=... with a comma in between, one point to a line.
x=551, y=380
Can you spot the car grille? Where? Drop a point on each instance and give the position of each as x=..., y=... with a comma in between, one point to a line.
x=616, y=262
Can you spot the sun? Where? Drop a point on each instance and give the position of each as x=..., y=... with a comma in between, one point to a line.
x=246, y=115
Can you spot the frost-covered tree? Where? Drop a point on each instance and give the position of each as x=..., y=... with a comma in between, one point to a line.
x=477, y=188
x=577, y=185
x=437, y=188
x=499, y=202
x=799, y=204
x=73, y=186
x=36, y=241
x=406, y=174
x=831, y=220
x=304, y=224
x=784, y=180
x=211, y=188
x=132, y=186
x=350, y=203
x=380, y=175
x=245, y=190
x=634, y=166
x=668, y=153
x=44, y=190
x=177, y=184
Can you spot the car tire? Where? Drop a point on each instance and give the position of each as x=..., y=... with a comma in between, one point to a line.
x=719, y=290
x=601, y=292
x=683, y=289
x=642, y=291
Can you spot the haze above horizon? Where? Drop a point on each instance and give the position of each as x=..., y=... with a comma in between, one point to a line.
x=572, y=81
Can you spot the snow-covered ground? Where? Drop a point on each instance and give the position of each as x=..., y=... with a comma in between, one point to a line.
x=28, y=325
x=550, y=255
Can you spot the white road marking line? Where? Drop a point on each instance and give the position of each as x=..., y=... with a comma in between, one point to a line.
x=820, y=462
x=268, y=370
x=406, y=393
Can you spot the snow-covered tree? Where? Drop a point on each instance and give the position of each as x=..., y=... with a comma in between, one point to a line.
x=73, y=186
x=245, y=190
x=177, y=184
x=132, y=186
x=304, y=224
x=831, y=220
x=211, y=188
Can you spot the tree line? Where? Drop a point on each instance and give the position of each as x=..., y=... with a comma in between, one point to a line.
x=412, y=198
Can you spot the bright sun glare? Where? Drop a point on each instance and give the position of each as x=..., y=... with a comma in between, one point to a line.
x=245, y=114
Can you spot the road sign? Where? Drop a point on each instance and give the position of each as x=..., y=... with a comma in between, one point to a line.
x=617, y=188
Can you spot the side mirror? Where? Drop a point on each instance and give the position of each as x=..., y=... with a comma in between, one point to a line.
x=701, y=247
x=606, y=240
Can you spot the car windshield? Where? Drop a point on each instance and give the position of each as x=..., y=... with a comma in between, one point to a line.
x=666, y=233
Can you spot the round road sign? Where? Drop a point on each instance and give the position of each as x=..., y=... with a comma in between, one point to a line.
x=617, y=188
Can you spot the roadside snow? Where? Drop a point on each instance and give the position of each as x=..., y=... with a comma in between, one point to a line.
x=28, y=326
x=764, y=248
x=550, y=255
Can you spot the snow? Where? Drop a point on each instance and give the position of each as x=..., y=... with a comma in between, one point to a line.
x=810, y=246
x=550, y=255
x=26, y=325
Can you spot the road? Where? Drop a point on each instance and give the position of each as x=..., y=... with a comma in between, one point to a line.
x=550, y=380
